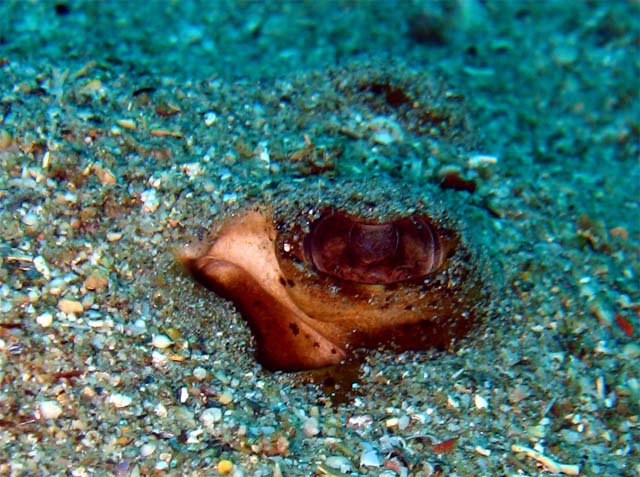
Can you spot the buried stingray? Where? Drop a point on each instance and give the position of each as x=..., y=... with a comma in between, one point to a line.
x=337, y=269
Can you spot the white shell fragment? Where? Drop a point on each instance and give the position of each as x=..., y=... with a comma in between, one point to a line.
x=339, y=462
x=30, y=219
x=547, y=462
x=370, y=458
x=150, y=200
x=161, y=341
x=147, y=449
x=226, y=397
x=120, y=401
x=210, y=416
x=50, y=409
x=480, y=161
x=210, y=118
x=45, y=320
x=199, y=373
x=311, y=427
x=483, y=451
x=480, y=402
x=41, y=266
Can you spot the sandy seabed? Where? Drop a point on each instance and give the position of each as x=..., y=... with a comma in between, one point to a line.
x=124, y=134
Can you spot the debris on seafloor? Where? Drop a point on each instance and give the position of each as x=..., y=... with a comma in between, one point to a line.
x=549, y=463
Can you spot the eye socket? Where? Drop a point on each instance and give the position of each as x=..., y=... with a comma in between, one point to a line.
x=375, y=253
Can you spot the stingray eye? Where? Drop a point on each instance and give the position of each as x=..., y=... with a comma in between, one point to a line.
x=375, y=253
x=373, y=243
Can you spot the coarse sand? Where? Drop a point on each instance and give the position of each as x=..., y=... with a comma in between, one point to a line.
x=128, y=128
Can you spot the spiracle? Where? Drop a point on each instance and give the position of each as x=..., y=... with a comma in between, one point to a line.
x=366, y=252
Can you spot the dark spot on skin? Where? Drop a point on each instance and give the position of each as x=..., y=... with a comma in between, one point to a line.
x=294, y=329
x=316, y=344
x=291, y=283
x=283, y=282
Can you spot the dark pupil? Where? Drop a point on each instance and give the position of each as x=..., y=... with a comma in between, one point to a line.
x=372, y=243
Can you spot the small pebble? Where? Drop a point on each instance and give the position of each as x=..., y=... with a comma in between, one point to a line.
x=160, y=410
x=210, y=416
x=105, y=176
x=483, y=451
x=30, y=219
x=226, y=397
x=5, y=140
x=161, y=341
x=150, y=200
x=340, y=463
x=114, y=236
x=126, y=124
x=147, y=449
x=200, y=373
x=360, y=422
x=210, y=118
x=382, y=137
x=45, y=320
x=57, y=286
x=50, y=409
x=46, y=159
x=97, y=281
x=120, y=400
x=192, y=169
x=70, y=306
x=479, y=161
x=391, y=422
x=370, y=458
x=480, y=402
x=229, y=197
x=159, y=359
x=138, y=327
x=183, y=394
x=310, y=427
x=403, y=422
x=225, y=466
x=41, y=266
